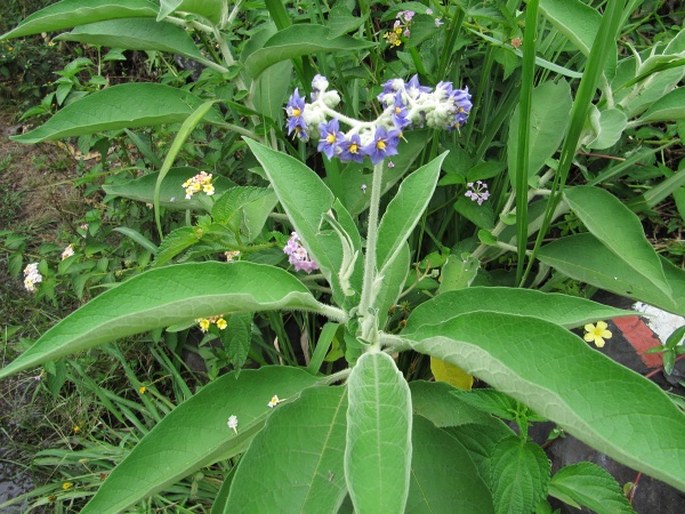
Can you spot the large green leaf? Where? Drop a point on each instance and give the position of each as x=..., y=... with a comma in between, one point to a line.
x=587, y=484
x=567, y=311
x=550, y=108
x=443, y=475
x=619, y=229
x=166, y=296
x=379, y=420
x=136, y=34
x=213, y=10
x=576, y=20
x=70, y=13
x=299, y=454
x=560, y=377
x=118, y=107
x=667, y=108
x=171, y=192
x=584, y=258
x=306, y=199
x=519, y=474
x=404, y=211
x=298, y=40
x=196, y=434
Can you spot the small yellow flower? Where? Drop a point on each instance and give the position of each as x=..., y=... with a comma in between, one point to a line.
x=204, y=324
x=597, y=333
x=275, y=400
x=142, y=389
x=67, y=485
x=221, y=324
x=76, y=429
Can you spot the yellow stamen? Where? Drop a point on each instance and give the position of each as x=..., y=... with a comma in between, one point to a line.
x=380, y=145
x=354, y=148
x=330, y=138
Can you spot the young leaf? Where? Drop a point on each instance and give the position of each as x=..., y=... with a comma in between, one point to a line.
x=71, y=13
x=195, y=434
x=405, y=210
x=617, y=228
x=118, y=107
x=296, y=41
x=136, y=34
x=443, y=474
x=668, y=108
x=519, y=474
x=244, y=209
x=378, y=449
x=560, y=377
x=567, y=311
x=162, y=297
x=299, y=454
x=175, y=242
x=589, y=485
x=584, y=258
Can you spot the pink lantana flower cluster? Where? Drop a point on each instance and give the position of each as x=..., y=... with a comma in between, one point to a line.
x=298, y=255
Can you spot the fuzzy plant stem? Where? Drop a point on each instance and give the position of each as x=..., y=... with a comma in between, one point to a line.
x=369, y=319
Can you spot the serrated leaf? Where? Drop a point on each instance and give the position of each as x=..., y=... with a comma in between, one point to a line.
x=299, y=454
x=237, y=338
x=166, y=296
x=195, y=434
x=560, y=377
x=564, y=310
x=624, y=236
x=70, y=13
x=175, y=242
x=298, y=40
x=443, y=475
x=378, y=448
x=135, y=34
x=405, y=209
x=589, y=485
x=124, y=106
x=519, y=474
x=582, y=257
x=171, y=192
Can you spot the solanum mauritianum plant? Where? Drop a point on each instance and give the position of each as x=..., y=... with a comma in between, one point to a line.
x=363, y=438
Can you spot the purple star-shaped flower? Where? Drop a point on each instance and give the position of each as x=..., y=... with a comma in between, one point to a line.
x=384, y=144
x=351, y=149
x=294, y=110
x=462, y=106
x=399, y=112
x=413, y=87
x=330, y=138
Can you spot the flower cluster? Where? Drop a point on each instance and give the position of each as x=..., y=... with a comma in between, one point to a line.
x=32, y=277
x=477, y=192
x=275, y=400
x=233, y=423
x=298, y=255
x=200, y=182
x=405, y=105
x=68, y=252
x=205, y=323
x=400, y=28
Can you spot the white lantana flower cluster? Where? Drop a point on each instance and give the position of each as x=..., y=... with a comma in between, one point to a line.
x=32, y=277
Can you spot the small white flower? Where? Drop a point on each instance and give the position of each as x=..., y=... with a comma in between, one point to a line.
x=68, y=252
x=32, y=277
x=233, y=423
x=275, y=400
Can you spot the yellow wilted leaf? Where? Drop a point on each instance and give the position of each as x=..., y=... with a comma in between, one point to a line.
x=453, y=375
